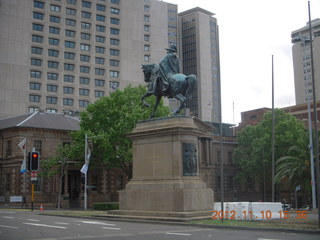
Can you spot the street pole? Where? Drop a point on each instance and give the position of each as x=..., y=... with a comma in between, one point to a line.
x=86, y=173
x=316, y=145
x=273, y=164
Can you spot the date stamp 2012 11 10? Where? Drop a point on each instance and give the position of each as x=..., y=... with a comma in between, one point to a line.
x=249, y=215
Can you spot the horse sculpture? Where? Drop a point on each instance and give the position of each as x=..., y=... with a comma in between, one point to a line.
x=180, y=86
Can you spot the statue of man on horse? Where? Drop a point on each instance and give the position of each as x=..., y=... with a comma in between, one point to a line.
x=165, y=79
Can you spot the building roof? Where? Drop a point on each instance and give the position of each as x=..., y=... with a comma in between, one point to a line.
x=44, y=120
x=195, y=10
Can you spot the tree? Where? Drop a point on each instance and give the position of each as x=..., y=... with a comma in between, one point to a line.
x=254, y=151
x=110, y=119
x=295, y=167
x=56, y=165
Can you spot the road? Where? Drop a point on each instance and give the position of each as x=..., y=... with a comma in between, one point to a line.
x=17, y=224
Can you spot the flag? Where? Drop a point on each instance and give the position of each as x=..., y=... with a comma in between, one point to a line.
x=88, y=154
x=23, y=146
x=84, y=168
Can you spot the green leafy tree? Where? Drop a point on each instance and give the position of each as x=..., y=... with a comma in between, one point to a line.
x=254, y=151
x=107, y=122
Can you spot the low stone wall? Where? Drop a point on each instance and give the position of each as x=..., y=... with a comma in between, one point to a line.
x=248, y=210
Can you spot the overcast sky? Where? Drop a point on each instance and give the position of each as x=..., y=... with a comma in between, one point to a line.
x=251, y=31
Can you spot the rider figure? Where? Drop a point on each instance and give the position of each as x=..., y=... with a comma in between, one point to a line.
x=168, y=66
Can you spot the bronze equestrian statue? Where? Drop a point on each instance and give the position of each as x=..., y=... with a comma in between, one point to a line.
x=165, y=80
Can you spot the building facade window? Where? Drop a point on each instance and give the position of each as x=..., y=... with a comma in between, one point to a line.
x=69, y=55
x=54, y=19
x=100, y=28
x=36, y=38
x=85, y=25
x=114, y=31
x=54, y=8
x=52, y=64
x=99, y=82
x=114, y=41
x=53, y=53
x=68, y=66
x=100, y=50
x=37, y=27
x=85, y=47
x=54, y=30
x=52, y=76
x=114, y=63
x=36, y=50
x=35, y=86
x=52, y=88
x=99, y=60
x=69, y=44
x=84, y=69
x=84, y=80
x=35, y=74
x=38, y=4
x=54, y=41
x=99, y=71
x=68, y=78
x=101, y=8
x=100, y=39
x=98, y=93
x=70, y=22
x=37, y=15
x=9, y=148
x=52, y=100
x=114, y=52
x=68, y=90
x=113, y=74
x=85, y=36
x=36, y=62
x=70, y=11
x=84, y=58
x=114, y=85
x=83, y=103
x=84, y=92
x=68, y=101
x=115, y=11
x=34, y=98
x=70, y=33
x=114, y=21
x=86, y=4
x=85, y=14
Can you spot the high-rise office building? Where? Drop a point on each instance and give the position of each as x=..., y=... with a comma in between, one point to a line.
x=61, y=55
x=302, y=61
x=199, y=50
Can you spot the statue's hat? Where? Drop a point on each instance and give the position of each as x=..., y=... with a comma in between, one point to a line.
x=172, y=48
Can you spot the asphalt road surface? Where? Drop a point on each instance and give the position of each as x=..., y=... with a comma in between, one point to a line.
x=18, y=224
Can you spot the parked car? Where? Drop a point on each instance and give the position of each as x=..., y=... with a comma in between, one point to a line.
x=286, y=207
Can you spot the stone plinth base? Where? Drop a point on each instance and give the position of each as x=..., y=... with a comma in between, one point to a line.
x=165, y=169
x=167, y=195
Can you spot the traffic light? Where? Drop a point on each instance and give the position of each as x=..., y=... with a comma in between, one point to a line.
x=34, y=161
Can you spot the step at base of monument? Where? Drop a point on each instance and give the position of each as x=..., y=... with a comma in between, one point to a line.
x=160, y=216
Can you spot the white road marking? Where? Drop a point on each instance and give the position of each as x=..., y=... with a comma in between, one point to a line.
x=33, y=220
x=267, y=239
x=98, y=223
x=4, y=226
x=180, y=234
x=62, y=223
x=111, y=228
x=7, y=217
x=44, y=225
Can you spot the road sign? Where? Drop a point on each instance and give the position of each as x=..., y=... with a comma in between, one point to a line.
x=34, y=176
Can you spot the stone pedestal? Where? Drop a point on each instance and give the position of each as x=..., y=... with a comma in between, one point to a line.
x=165, y=170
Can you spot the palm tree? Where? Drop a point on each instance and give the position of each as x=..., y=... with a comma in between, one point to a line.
x=295, y=168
